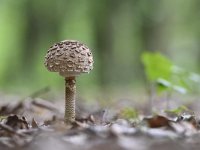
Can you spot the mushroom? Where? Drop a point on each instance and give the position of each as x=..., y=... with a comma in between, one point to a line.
x=69, y=58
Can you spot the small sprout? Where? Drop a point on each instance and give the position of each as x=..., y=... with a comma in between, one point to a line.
x=129, y=113
x=164, y=76
x=177, y=111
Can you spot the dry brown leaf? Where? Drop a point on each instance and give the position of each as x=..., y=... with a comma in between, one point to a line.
x=157, y=121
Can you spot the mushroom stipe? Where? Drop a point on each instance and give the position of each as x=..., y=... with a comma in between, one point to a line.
x=70, y=91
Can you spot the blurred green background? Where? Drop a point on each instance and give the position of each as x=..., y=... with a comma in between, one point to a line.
x=116, y=31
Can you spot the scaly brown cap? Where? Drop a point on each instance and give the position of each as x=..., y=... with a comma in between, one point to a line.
x=69, y=58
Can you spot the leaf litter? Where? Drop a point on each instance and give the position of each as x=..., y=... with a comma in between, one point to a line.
x=35, y=123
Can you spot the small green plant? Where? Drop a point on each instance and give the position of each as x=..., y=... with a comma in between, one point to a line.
x=164, y=76
x=178, y=111
x=129, y=113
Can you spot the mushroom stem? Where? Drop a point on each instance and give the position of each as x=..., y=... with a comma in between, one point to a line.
x=70, y=91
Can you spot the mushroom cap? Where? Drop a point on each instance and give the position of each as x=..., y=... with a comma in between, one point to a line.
x=69, y=58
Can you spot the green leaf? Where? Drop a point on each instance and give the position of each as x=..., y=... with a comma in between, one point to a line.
x=164, y=82
x=161, y=71
x=194, y=77
x=179, y=89
x=156, y=66
x=164, y=85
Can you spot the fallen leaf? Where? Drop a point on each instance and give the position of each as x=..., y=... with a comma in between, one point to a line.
x=157, y=121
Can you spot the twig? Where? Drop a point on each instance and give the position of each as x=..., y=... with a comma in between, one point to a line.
x=45, y=104
x=37, y=93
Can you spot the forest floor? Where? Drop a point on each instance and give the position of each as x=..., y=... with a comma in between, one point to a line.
x=37, y=124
